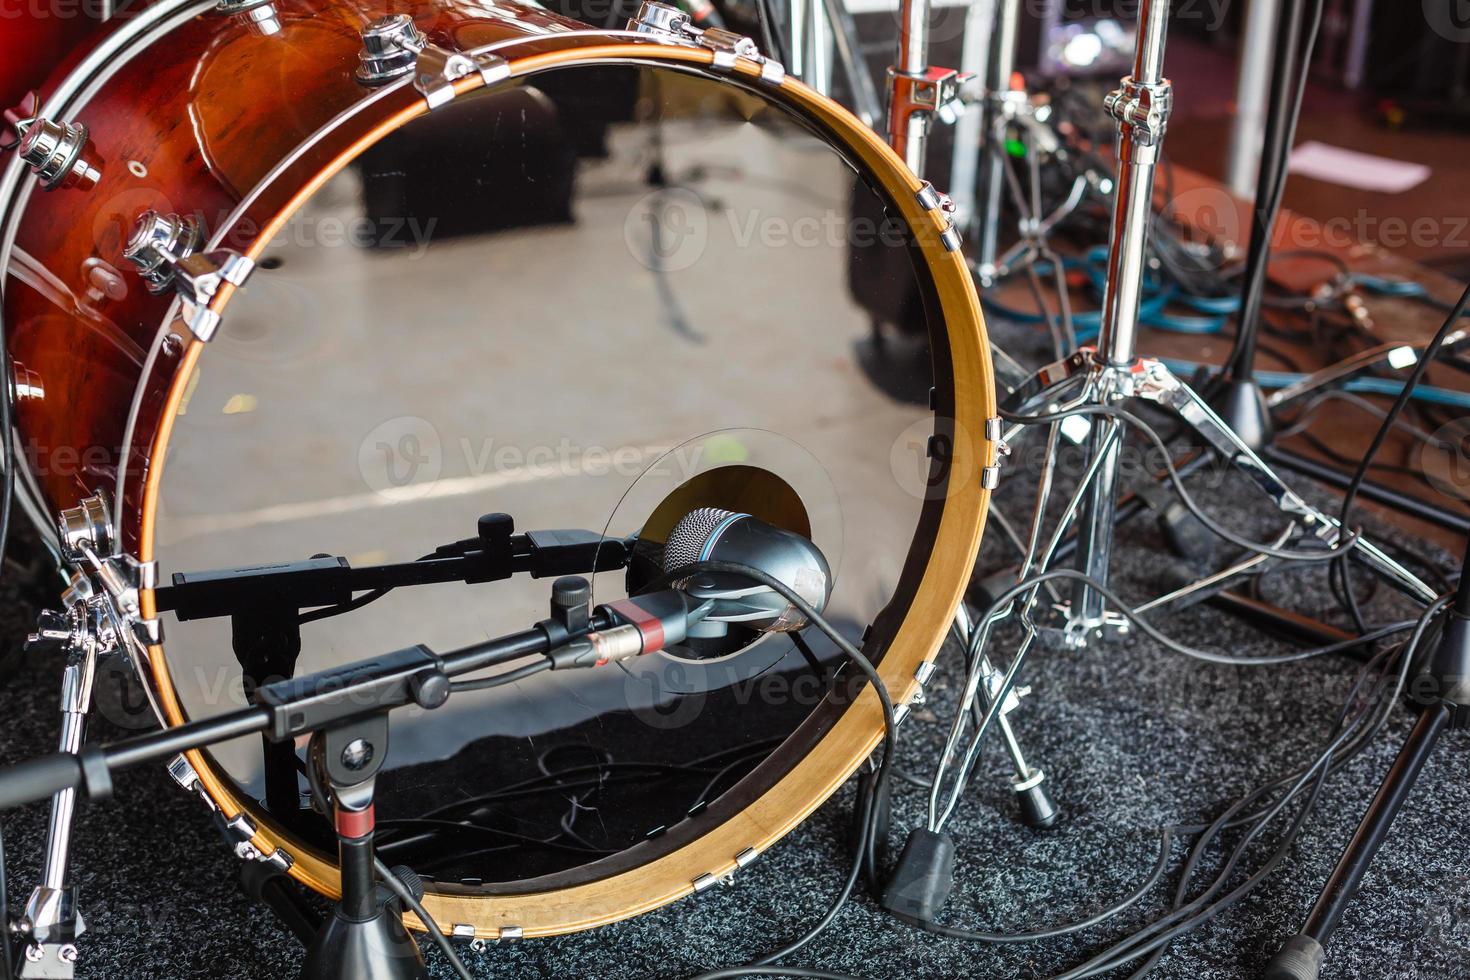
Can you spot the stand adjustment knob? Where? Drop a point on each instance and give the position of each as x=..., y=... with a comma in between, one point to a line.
x=570, y=597
x=429, y=689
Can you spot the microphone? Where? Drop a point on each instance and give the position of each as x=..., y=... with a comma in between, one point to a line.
x=713, y=534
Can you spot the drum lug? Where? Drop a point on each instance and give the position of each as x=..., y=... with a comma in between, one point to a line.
x=60, y=154
x=155, y=237
x=165, y=248
x=940, y=203
x=393, y=47
x=665, y=21
x=990, y=475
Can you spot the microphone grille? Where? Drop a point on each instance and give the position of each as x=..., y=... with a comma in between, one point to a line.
x=688, y=538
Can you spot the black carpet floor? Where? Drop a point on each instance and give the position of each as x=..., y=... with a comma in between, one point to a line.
x=1134, y=738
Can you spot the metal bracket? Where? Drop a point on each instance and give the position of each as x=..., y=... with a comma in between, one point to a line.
x=1141, y=109
x=994, y=433
x=155, y=238
x=198, y=280
x=922, y=674
x=108, y=585
x=239, y=831
x=393, y=47
x=943, y=92
x=664, y=21
x=941, y=204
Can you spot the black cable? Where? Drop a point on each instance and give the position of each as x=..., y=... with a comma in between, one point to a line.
x=320, y=799
x=555, y=781
x=1343, y=545
x=971, y=935
x=1421, y=368
x=455, y=826
x=770, y=34
x=1125, y=951
x=500, y=680
x=774, y=971
x=351, y=605
x=397, y=887
x=762, y=965
x=7, y=493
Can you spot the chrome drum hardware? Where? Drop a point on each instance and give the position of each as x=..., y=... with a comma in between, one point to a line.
x=57, y=154
x=157, y=237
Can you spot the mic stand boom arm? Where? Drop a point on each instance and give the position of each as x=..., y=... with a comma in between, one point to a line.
x=265, y=603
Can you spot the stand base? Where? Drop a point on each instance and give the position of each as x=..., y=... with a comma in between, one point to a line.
x=1242, y=407
x=379, y=948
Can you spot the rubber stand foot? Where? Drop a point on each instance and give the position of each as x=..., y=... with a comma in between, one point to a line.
x=1037, y=809
x=1300, y=959
x=923, y=877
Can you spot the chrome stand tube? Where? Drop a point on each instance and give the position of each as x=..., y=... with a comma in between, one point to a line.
x=1000, y=65
x=1252, y=83
x=1141, y=107
x=908, y=129
x=969, y=129
x=51, y=922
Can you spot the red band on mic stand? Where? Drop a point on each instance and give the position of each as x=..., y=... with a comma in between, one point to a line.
x=356, y=824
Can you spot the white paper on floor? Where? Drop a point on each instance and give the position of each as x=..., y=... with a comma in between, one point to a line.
x=1354, y=169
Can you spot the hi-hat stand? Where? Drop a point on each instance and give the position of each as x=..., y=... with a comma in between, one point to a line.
x=918, y=94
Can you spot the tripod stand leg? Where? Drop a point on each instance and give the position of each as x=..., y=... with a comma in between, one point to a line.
x=51, y=922
x=1301, y=957
x=1037, y=808
x=1161, y=387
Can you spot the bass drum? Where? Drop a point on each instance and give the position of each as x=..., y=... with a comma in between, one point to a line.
x=599, y=283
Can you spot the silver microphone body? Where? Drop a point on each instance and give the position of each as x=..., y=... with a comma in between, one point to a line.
x=713, y=534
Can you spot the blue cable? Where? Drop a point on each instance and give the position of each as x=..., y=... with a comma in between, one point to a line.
x=1365, y=386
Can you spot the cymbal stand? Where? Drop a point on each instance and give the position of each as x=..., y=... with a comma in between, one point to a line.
x=919, y=91
x=1113, y=373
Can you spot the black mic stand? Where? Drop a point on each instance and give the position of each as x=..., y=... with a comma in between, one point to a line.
x=345, y=710
x=1238, y=398
x=1440, y=691
x=364, y=938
